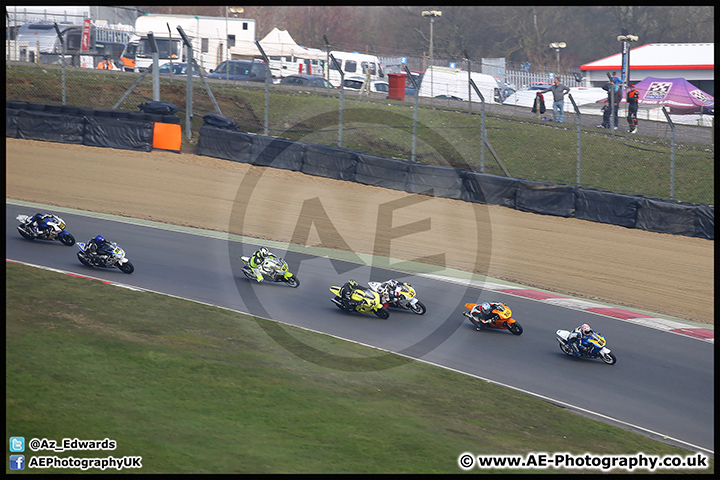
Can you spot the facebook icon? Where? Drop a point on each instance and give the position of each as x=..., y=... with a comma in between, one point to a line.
x=17, y=462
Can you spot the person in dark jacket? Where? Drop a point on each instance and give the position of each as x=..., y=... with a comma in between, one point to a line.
x=633, y=96
x=539, y=104
x=606, y=111
x=100, y=247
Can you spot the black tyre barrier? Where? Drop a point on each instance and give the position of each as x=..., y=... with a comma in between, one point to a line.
x=53, y=108
x=174, y=119
x=35, y=107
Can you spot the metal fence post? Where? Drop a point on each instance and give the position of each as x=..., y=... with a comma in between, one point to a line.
x=62, y=42
x=415, y=113
x=483, y=138
x=342, y=97
x=267, y=86
x=189, y=85
x=156, y=73
x=672, y=154
x=579, y=131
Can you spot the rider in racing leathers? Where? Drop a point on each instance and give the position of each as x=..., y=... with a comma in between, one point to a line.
x=391, y=288
x=256, y=260
x=484, y=313
x=100, y=247
x=39, y=221
x=346, y=293
x=578, y=338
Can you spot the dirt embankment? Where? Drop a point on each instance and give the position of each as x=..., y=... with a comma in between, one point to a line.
x=666, y=274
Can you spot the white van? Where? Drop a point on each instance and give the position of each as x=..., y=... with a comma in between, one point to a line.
x=453, y=83
x=355, y=64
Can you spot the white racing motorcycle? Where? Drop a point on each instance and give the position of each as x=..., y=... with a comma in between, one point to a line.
x=116, y=259
x=596, y=349
x=403, y=296
x=55, y=230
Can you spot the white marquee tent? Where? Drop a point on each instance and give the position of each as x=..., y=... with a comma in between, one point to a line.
x=277, y=43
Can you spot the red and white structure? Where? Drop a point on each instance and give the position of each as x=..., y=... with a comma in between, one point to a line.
x=695, y=62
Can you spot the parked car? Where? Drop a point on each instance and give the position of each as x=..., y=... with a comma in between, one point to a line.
x=376, y=86
x=409, y=89
x=502, y=92
x=306, y=81
x=240, y=70
x=178, y=68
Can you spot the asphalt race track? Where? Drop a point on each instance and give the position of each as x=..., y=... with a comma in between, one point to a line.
x=662, y=383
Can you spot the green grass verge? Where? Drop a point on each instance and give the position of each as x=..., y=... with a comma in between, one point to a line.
x=528, y=148
x=198, y=389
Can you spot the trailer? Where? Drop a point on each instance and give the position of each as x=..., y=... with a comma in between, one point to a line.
x=210, y=38
x=355, y=64
x=41, y=40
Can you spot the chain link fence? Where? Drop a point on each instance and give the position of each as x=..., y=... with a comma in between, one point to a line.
x=662, y=160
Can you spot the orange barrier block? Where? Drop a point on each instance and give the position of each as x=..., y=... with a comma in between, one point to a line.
x=167, y=136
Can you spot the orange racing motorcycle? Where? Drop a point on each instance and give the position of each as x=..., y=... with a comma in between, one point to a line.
x=503, y=318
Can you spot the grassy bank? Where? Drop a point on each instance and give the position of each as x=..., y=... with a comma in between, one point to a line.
x=198, y=389
x=528, y=148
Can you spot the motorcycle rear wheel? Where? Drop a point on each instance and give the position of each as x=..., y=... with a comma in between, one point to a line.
x=566, y=349
x=25, y=234
x=383, y=313
x=83, y=260
x=248, y=273
x=515, y=328
x=67, y=240
x=338, y=303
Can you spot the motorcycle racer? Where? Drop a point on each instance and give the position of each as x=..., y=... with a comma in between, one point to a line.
x=256, y=260
x=391, y=288
x=578, y=338
x=484, y=313
x=99, y=246
x=346, y=293
x=39, y=221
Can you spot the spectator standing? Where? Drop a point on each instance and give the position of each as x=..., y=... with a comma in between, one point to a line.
x=606, y=111
x=632, y=99
x=558, y=90
x=614, y=97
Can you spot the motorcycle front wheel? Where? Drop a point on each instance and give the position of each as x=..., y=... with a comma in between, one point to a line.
x=418, y=308
x=515, y=328
x=292, y=282
x=67, y=240
x=608, y=358
x=126, y=267
x=383, y=313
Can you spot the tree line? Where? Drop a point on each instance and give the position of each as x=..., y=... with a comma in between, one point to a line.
x=520, y=34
